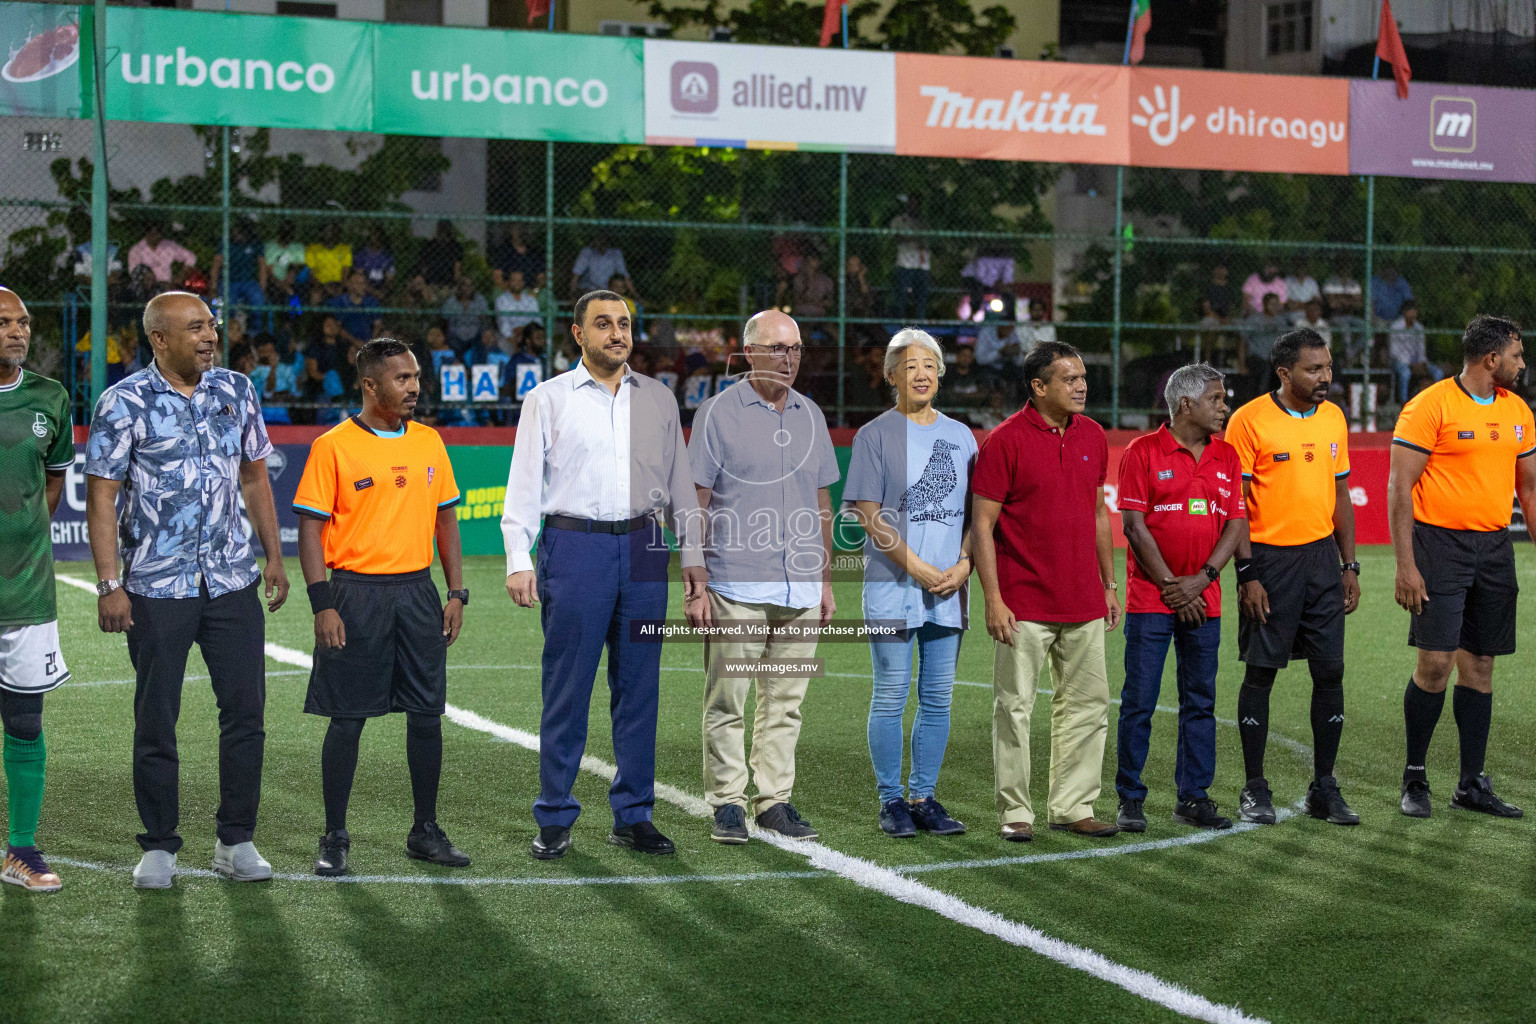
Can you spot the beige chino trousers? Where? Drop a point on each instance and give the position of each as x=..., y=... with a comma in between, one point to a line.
x=1079, y=717
x=776, y=724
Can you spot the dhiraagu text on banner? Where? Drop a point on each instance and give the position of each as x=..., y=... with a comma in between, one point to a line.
x=41, y=46
x=509, y=85
x=238, y=69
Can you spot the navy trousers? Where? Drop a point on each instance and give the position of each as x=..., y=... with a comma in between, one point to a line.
x=591, y=585
x=1147, y=636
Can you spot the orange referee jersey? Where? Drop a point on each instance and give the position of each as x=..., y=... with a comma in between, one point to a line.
x=379, y=495
x=1292, y=463
x=1472, y=444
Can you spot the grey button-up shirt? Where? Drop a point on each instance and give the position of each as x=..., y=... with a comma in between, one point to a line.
x=763, y=468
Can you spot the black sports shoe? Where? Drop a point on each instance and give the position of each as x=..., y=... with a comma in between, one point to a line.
x=730, y=825
x=896, y=819
x=642, y=837
x=1415, y=797
x=551, y=843
x=928, y=815
x=1255, y=804
x=332, y=861
x=786, y=821
x=1131, y=817
x=1326, y=802
x=428, y=842
x=1479, y=797
x=1199, y=813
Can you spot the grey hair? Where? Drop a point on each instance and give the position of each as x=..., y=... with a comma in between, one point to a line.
x=905, y=339
x=1189, y=382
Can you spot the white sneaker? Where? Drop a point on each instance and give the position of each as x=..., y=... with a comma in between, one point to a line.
x=155, y=870
x=241, y=862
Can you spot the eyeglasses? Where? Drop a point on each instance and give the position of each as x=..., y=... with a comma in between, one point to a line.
x=780, y=351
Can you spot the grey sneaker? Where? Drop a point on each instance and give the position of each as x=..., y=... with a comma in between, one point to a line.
x=786, y=821
x=155, y=870
x=730, y=825
x=241, y=862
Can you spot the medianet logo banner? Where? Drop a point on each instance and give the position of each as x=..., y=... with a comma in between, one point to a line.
x=189, y=67
x=1443, y=131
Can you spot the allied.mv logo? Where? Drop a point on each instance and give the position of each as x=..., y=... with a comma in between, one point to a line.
x=1162, y=121
x=1452, y=124
x=695, y=87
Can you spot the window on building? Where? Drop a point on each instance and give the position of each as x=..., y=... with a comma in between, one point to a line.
x=1288, y=28
x=306, y=9
x=645, y=29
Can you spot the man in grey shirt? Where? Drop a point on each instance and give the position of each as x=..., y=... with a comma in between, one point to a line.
x=467, y=312
x=763, y=462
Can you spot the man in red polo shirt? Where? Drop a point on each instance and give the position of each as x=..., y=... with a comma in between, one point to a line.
x=1045, y=552
x=1181, y=502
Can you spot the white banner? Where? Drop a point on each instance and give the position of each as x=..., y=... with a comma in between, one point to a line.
x=485, y=382
x=453, y=382
x=769, y=97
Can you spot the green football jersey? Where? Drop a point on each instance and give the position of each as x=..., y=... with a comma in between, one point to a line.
x=35, y=434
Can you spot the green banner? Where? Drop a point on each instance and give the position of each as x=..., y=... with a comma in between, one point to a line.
x=508, y=85
x=189, y=67
x=46, y=51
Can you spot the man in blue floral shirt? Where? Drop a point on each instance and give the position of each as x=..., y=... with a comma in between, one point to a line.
x=183, y=440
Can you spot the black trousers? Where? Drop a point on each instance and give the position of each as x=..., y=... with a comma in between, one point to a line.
x=231, y=632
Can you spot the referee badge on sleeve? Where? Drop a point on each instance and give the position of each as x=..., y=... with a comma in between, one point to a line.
x=1333, y=449
x=1519, y=432
x=431, y=470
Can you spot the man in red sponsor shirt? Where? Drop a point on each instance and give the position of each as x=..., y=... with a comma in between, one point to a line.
x=1181, y=502
x=1045, y=555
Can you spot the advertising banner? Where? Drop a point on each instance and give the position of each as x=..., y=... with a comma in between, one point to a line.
x=1011, y=109
x=1442, y=131
x=1214, y=120
x=43, y=74
x=508, y=85
x=187, y=67
x=769, y=97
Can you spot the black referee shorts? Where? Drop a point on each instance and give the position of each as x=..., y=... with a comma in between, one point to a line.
x=395, y=658
x=1470, y=578
x=1306, y=606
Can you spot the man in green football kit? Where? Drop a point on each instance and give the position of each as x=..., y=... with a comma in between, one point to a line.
x=36, y=447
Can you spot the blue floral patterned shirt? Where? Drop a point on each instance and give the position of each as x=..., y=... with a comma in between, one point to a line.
x=180, y=458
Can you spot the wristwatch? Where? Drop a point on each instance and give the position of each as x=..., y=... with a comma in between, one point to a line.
x=1353, y=567
x=1111, y=585
x=105, y=587
x=1211, y=572
x=462, y=595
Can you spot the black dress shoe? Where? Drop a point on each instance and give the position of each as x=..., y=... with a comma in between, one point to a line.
x=551, y=842
x=641, y=836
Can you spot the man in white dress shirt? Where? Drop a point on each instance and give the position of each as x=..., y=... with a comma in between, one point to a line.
x=599, y=452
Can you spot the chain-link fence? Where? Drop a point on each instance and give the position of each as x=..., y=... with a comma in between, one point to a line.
x=473, y=251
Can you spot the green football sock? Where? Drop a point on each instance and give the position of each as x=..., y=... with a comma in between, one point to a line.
x=24, y=763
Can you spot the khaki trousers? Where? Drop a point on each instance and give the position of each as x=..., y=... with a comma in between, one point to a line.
x=1079, y=717
x=776, y=724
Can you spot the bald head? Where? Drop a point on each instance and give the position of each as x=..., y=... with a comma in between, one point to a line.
x=773, y=350
x=167, y=308
x=183, y=334
x=770, y=327
x=15, y=332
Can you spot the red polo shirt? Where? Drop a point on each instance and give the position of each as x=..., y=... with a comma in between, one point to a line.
x=1048, y=482
x=1187, y=505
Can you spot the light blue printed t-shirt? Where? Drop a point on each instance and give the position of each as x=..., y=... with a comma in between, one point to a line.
x=920, y=476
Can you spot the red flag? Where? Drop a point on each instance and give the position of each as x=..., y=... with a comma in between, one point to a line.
x=1141, y=24
x=1389, y=47
x=537, y=9
x=831, y=21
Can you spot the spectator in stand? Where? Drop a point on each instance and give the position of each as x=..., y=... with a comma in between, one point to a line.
x=441, y=260
x=329, y=258
x=285, y=260
x=242, y=358
x=465, y=311
x=990, y=274
x=376, y=262
x=1344, y=304
x=861, y=298
x=970, y=385
x=1409, y=351
x=529, y=344
x=1218, y=299
x=596, y=265
x=914, y=262
x=357, y=322
x=159, y=254
x=1311, y=315
x=1300, y=286
x=439, y=352
x=621, y=285
x=274, y=380
x=1389, y=290
x=326, y=354
x=516, y=303
x=811, y=291
x=1260, y=332
x=1259, y=285
x=510, y=253
x=247, y=267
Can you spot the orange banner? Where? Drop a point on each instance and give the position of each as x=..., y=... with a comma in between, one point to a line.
x=1011, y=109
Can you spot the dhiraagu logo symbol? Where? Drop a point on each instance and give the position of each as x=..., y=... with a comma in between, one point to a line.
x=1161, y=118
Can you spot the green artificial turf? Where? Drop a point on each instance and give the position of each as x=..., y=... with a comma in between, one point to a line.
x=1396, y=920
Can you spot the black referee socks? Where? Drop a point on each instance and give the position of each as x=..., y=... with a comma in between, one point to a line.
x=1253, y=717
x=1421, y=710
x=1473, y=711
x=1327, y=714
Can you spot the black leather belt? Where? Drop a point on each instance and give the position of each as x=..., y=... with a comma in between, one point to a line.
x=598, y=525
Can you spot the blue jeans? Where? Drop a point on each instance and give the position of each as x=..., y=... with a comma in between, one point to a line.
x=1147, y=635
x=938, y=649
x=1402, y=374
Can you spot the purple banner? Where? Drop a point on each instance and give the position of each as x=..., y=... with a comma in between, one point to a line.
x=1442, y=131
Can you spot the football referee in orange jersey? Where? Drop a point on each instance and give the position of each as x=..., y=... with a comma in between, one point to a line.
x=375, y=492
x=1300, y=577
x=1460, y=449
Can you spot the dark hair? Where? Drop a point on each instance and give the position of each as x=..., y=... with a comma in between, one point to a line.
x=1407, y=305
x=372, y=356
x=1487, y=334
x=601, y=295
x=1037, y=365
x=240, y=352
x=1289, y=345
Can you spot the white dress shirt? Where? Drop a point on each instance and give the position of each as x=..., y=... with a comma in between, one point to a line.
x=586, y=452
